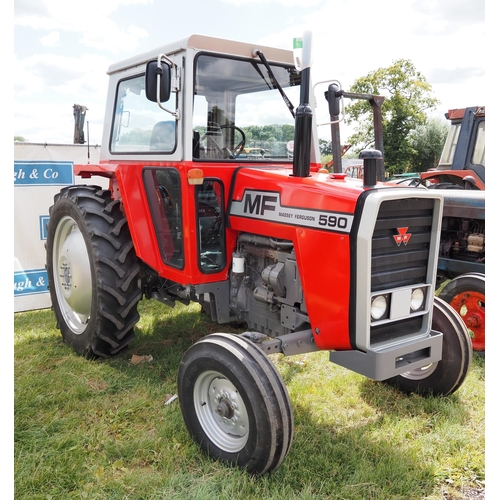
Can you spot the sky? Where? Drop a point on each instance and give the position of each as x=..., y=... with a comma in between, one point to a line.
x=63, y=48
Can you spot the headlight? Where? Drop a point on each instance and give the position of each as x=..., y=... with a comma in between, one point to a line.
x=379, y=307
x=417, y=299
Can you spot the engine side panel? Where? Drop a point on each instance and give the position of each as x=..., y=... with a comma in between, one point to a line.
x=317, y=227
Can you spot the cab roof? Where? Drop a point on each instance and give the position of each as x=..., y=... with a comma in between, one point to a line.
x=205, y=43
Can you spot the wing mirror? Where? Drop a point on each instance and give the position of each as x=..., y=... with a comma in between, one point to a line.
x=158, y=80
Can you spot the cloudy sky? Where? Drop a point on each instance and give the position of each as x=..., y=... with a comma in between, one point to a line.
x=62, y=48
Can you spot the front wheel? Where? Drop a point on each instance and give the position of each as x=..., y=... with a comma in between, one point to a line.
x=235, y=404
x=466, y=294
x=446, y=376
x=92, y=270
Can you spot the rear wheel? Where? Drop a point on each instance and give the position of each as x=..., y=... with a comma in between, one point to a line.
x=446, y=376
x=92, y=270
x=235, y=404
x=466, y=294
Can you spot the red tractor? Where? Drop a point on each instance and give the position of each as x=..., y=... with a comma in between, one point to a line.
x=307, y=259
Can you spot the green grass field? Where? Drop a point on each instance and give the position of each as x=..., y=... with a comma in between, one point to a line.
x=101, y=429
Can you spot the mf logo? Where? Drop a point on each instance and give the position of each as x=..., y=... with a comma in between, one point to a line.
x=258, y=204
x=403, y=236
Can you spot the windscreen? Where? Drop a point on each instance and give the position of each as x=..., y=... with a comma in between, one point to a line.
x=451, y=144
x=239, y=111
x=478, y=154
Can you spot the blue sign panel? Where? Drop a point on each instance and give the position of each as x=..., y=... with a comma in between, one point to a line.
x=30, y=282
x=43, y=173
x=44, y=220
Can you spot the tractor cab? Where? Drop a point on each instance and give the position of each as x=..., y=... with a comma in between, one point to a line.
x=183, y=118
x=462, y=163
x=220, y=101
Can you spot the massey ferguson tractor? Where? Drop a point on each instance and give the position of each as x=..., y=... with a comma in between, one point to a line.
x=257, y=233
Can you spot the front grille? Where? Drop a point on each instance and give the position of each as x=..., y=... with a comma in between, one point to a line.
x=395, y=251
x=389, y=331
x=406, y=264
x=395, y=266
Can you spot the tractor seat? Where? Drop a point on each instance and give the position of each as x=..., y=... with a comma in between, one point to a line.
x=163, y=136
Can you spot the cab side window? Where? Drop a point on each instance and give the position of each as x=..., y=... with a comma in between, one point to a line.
x=139, y=125
x=164, y=196
x=211, y=242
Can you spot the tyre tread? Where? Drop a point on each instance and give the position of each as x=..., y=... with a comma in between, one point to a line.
x=117, y=269
x=276, y=405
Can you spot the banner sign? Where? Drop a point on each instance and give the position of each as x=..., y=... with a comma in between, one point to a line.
x=43, y=173
x=40, y=171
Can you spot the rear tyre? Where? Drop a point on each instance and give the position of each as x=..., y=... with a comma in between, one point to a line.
x=466, y=294
x=92, y=270
x=446, y=376
x=235, y=404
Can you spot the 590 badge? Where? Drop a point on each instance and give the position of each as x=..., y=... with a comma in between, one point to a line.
x=267, y=206
x=333, y=221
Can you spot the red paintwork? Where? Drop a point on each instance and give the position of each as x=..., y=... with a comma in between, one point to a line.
x=101, y=169
x=458, y=114
x=323, y=257
x=471, y=307
x=129, y=176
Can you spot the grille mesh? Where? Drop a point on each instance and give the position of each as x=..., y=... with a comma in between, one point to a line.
x=392, y=265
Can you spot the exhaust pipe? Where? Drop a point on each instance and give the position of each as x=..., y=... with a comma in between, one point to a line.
x=304, y=113
x=370, y=158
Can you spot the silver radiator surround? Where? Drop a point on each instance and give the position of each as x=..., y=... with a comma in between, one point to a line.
x=371, y=207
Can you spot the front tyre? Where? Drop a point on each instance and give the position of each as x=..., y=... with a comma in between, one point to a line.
x=446, y=376
x=235, y=404
x=92, y=270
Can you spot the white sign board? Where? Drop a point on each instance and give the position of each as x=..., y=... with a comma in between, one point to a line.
x=40, y=171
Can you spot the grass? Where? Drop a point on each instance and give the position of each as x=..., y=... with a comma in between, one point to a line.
x=101, y=429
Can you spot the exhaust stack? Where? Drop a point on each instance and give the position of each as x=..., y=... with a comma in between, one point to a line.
x=304, y=113
x=370, y=158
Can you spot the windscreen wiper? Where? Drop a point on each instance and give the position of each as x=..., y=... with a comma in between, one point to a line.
x=275, y=81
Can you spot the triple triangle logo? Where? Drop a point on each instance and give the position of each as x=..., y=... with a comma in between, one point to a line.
x=403, y=236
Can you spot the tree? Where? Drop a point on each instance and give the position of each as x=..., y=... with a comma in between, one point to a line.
x=428, y=142
x=407, y=98
x=19, y=138
x=136, y=136
x=269, y=133
x=325, y=147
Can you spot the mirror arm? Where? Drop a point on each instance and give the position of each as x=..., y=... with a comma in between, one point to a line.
x=159, y=73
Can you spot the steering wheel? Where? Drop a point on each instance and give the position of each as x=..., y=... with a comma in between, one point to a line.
x=417, y=181
x=166, y=199
x=239, y=147
x=216, y=130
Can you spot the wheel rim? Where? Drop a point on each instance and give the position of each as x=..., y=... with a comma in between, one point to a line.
x=72, y=275
x=420, y=373
x=471, y=307
x=221, y=411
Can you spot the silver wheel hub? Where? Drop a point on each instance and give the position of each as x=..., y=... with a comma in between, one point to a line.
x=72, y=275
x=221, y=411
x=420, y=373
